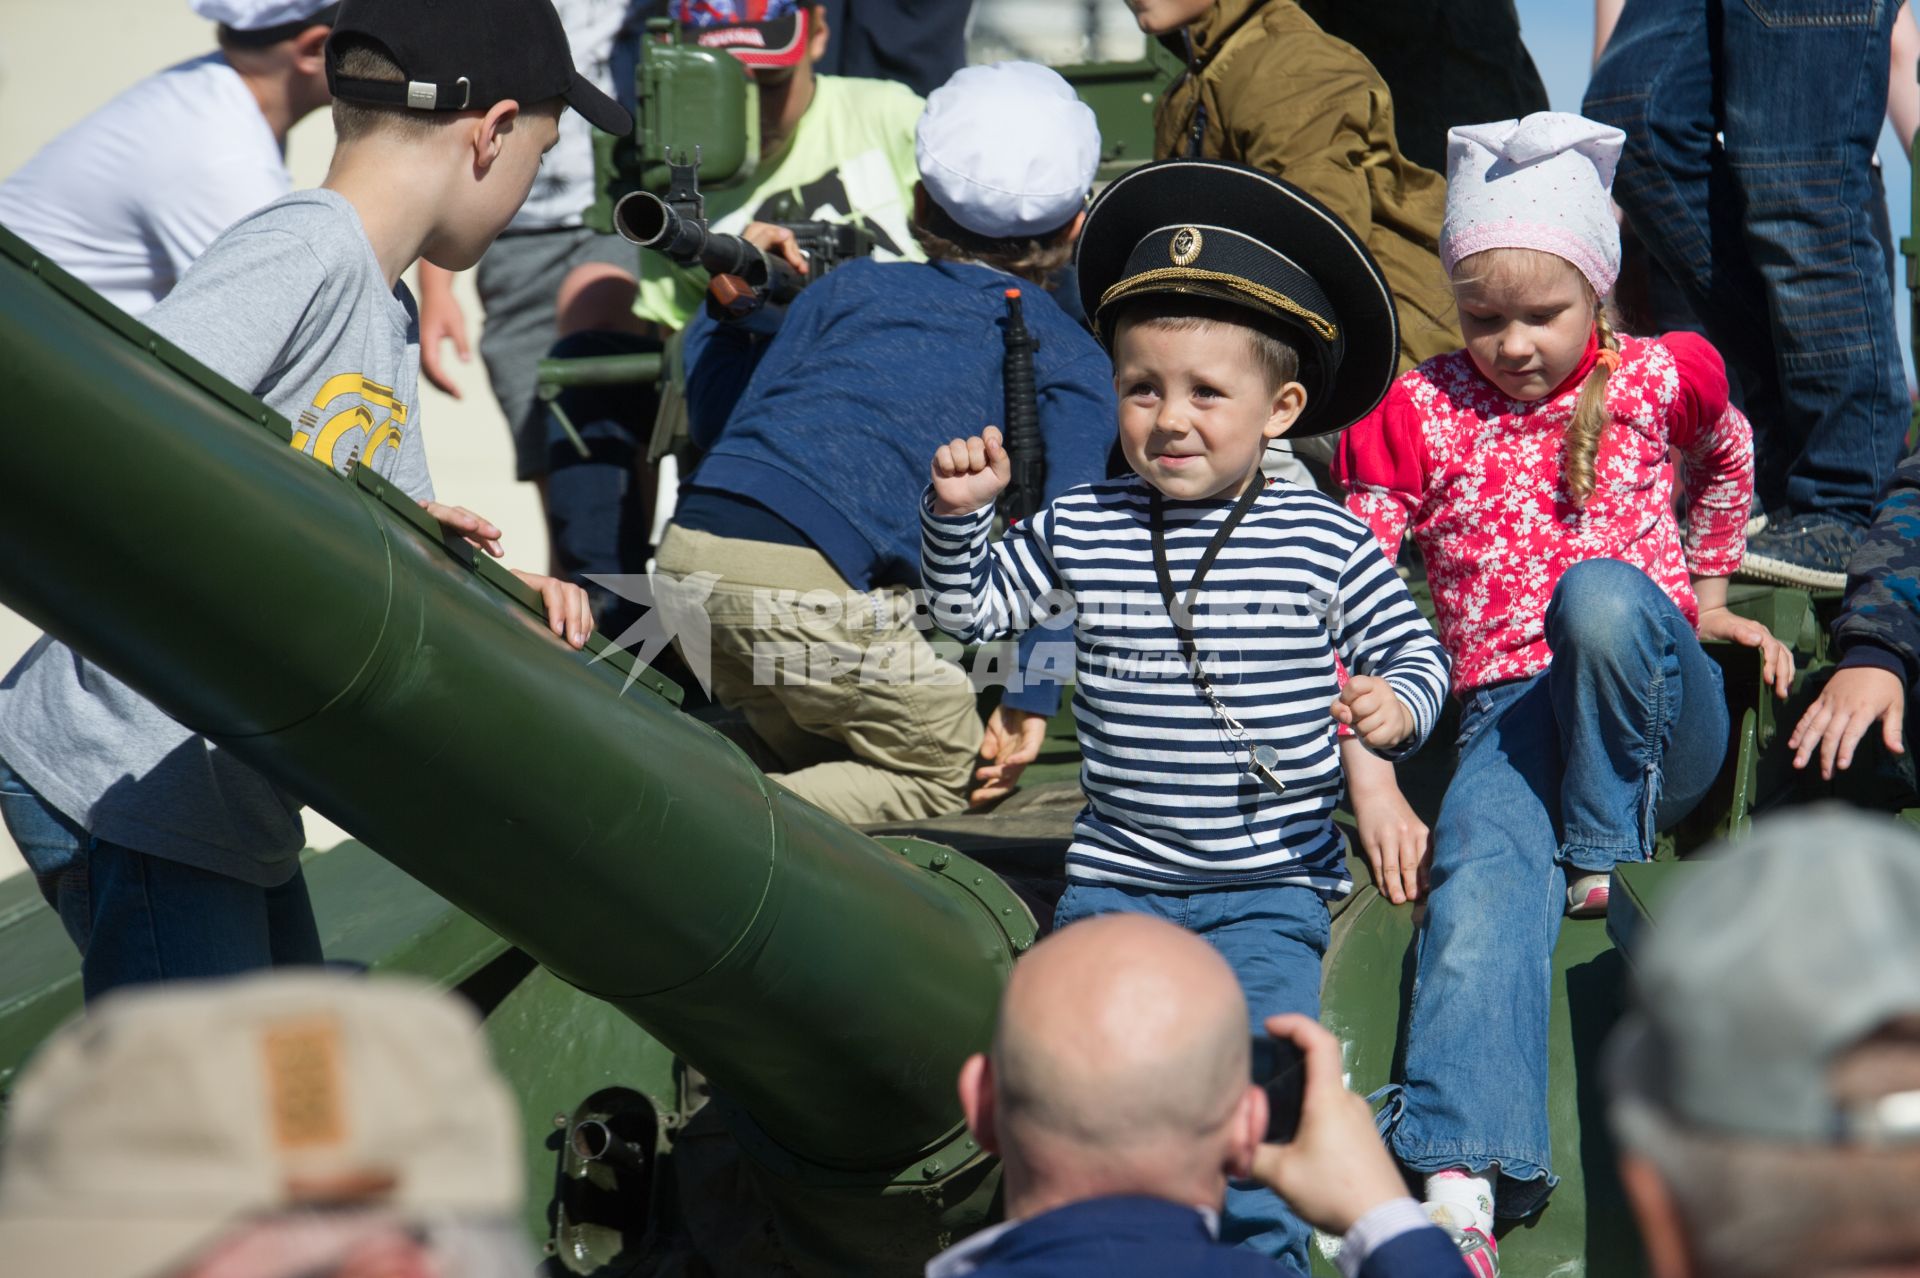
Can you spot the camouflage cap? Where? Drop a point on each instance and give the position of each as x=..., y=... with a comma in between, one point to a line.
x=1784, y=951
x=140, y=1134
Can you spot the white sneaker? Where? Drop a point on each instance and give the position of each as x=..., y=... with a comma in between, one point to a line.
x=1478, y=1251
x=1587, y=896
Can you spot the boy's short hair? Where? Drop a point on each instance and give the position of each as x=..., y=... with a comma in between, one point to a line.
x=364, y=59
x=1035, y=258
x=357, y=57
x=1269, y=341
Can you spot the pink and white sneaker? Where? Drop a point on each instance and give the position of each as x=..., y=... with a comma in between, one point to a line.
x=1478, y=1249
x=1587, y=896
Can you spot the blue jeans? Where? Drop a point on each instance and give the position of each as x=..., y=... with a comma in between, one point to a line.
x=1274, y=939
x=600, y=506
x=137, y=918
x=1566, y=773
x=1773, y=233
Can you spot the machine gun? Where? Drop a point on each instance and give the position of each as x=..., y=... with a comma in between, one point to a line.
x=1025, y=491
x=744, y=275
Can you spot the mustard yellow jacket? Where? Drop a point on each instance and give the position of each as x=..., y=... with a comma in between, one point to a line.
x=1282, y=95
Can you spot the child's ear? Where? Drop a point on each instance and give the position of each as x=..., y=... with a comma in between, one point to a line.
x=310, y=50
x=1288, y=403
x=817, y=38
x=490, y=135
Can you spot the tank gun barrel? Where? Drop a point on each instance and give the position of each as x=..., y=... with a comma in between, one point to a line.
x=322, y=629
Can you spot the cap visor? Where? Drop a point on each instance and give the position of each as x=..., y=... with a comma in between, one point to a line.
x=1275, y=213
x=601, y=111
x=781, y=43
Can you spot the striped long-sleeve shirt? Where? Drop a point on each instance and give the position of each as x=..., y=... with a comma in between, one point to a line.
x=1170, y=803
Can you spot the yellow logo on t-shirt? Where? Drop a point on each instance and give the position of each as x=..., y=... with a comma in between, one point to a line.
x=354, y=424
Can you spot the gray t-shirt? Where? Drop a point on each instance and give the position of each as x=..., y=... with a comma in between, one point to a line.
x=290, y=303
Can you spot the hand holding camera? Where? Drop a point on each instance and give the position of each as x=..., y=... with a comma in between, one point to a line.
x=1323, y=1154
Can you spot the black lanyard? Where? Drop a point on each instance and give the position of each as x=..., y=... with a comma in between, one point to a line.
x=1181, y=613
x=1262, y=762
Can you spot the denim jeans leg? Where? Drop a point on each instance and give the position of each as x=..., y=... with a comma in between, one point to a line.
x=1803, y=87
x=1627, y=669
x=1274, y=938
x=293, y=936
x=55, y=850
x=160, y=920
x=1475, y=1079
x=598, y=513
x=1656, y=83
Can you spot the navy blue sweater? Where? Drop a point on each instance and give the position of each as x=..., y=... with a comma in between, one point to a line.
x=831, y=426
x=1125, y=1236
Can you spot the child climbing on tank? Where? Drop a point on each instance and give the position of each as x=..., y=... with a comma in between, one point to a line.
x=1532, y=470
x=1208, y=607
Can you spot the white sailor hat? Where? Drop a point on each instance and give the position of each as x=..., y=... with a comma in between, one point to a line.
x=1007, y=149
x=262, y=15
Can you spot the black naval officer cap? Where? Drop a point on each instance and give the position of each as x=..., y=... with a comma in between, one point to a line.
x=467, y=55
x=1208, y=228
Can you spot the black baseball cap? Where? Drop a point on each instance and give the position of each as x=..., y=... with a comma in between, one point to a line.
x=466, y=55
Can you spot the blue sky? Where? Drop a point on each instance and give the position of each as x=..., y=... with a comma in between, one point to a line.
x=1559, y=34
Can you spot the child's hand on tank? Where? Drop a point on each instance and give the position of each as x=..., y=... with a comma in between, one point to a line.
x=569, y=615
x=1012, y=740
x=1374, y=711
x=969, y=473
x=1849, y=705
x=769, y=237
x=1776, y=661
x=463, y=523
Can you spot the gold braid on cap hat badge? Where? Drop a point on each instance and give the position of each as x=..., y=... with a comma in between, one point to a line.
x=1320, y=324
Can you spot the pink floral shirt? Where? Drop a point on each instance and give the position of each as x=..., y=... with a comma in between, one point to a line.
x=1477, y=478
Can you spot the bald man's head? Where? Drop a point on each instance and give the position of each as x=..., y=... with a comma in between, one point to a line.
x=1122, y=1043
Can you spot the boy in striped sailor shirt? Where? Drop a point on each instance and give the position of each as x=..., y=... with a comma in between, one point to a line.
x=1211, y=612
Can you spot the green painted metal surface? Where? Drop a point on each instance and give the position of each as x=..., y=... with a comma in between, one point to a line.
x=1586, y=1227
x=686, y=99
x=329, y=636
x=1122, y=95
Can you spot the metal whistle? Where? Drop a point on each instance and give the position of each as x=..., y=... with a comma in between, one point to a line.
x=1261, y=762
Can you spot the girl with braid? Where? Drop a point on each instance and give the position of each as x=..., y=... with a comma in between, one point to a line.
x=1535, y=469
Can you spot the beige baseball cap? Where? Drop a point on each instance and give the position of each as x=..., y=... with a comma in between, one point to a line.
x=1775, y=957
x=139, y=1134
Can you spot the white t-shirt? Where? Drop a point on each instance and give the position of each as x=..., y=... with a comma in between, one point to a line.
x=130, y=196
x=564, y=187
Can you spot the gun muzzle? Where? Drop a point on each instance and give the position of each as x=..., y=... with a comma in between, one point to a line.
x=647, y=220
x=652, y=223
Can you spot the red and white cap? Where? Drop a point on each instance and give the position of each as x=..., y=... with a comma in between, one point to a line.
x=760, y=33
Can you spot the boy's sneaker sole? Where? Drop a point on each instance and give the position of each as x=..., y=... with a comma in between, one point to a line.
x=1587, y=896
x=1784, y=572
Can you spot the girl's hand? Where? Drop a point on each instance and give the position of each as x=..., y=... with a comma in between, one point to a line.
x=969, y=473
x=1850, y=703
x=1374, y=711
x=1776, y=662
x=569, y=615
x=461, y=522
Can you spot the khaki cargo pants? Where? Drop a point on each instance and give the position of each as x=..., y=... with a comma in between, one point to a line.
x=858, y=714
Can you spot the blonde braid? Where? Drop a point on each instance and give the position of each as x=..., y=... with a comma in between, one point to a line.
x=1590, y=415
